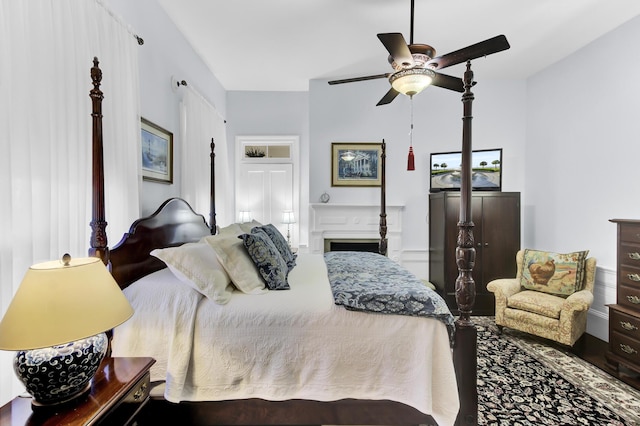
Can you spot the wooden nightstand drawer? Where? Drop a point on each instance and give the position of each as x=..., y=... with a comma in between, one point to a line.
x=129, y=406
x=625, y=324
x=625, y=347
x=629, y=233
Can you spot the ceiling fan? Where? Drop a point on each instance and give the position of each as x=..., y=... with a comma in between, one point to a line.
x=415, y=65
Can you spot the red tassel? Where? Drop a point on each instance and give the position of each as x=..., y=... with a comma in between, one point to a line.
x=411, y=164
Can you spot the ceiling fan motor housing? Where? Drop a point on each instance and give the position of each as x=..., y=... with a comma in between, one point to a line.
x=421, y=54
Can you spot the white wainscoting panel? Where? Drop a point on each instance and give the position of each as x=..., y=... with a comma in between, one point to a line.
x=604, y=293
x=417, y=262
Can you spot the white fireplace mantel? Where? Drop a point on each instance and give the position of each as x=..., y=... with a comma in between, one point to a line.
x=354, y=221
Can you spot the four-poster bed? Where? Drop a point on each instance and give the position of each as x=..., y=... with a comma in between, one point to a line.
x=175, y=224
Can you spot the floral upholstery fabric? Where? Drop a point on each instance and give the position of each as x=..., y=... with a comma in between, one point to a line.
x=562, y=319
x=537, y=303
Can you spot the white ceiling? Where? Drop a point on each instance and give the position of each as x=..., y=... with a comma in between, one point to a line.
x=282, y=44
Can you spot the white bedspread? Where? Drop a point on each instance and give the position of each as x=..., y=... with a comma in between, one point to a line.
x=293, y=344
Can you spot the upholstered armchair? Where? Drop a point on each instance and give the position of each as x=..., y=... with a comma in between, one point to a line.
x=536, y=310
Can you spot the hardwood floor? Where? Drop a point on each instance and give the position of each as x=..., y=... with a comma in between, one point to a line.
x=593, y=350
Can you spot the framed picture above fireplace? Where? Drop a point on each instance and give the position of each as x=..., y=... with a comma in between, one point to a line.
x=356, y=164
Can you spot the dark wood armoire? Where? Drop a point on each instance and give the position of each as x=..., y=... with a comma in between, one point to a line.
x=496, y=232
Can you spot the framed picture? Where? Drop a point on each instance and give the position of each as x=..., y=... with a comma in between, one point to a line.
x=157, y=153
x=356, y=164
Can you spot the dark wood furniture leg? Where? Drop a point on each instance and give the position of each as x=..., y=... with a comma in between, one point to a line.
x=465, y=349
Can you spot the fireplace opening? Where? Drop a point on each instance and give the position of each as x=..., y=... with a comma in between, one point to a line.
x=370, y=245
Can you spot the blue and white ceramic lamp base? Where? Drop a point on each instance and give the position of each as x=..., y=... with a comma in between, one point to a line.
x=58, y=374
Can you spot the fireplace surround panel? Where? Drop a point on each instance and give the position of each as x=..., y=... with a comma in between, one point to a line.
x=354, y=223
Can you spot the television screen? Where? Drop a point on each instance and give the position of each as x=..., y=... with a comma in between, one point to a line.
x=486, y=165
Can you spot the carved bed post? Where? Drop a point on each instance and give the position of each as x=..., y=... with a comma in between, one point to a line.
x=465, y=353
x=98, y=241
x=382, y=247
x=212, y=196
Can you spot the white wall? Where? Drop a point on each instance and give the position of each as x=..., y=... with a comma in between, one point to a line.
x=582, y=155
x=274, y=114
x=165, y=53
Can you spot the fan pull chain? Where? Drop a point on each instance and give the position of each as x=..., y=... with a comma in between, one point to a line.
x=411, y=163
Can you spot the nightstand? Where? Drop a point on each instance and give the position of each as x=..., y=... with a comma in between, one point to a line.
x=119, y=390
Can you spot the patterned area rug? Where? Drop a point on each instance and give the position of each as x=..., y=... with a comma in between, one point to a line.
x=525, y=382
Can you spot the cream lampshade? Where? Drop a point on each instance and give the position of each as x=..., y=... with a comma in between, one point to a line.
x=56, y=321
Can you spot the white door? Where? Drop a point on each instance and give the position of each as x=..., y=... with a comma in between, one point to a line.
x=267, y=177
x=265, y=190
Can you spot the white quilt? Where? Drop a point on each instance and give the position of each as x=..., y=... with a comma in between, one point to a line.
x=291, y=344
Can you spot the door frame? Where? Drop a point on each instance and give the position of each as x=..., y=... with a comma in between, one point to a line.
x=293, y=141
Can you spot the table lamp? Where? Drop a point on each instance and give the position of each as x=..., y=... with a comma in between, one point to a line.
x=244, y=216
x=288, y=218
x=56, y=321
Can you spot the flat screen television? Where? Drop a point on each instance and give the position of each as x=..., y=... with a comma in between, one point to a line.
x=486, y=165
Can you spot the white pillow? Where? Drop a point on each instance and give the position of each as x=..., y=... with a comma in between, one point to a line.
x=231, y=230
x=248, y=226
x=236, y=261
x=196, y=265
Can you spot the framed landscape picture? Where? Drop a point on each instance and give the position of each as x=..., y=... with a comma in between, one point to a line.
x=157, y=152
x=356, y=164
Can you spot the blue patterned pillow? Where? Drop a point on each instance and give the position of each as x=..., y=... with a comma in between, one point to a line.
x=267, y=259
x=280, y=242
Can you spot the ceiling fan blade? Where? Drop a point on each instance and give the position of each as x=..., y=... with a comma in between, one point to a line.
x=448, y=82
x=388, y=97
x=368, y=77
x=397, y=47
x=484, y=48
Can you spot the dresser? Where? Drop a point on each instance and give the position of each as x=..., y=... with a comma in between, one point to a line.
x=496, y=232
x=624, y=316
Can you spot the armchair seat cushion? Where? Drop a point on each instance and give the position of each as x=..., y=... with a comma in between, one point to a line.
x=536, y=302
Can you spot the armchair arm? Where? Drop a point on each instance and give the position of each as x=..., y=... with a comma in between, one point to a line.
x=578, y=301
x=504, y=287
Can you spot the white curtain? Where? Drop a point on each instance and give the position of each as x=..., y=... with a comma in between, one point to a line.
x=47, y=49
x=199, y=123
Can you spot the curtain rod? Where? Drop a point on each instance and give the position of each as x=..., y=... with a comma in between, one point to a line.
x=198, y=94
x=121, y=21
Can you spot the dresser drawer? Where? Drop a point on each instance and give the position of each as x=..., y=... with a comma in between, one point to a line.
x=629, y=233
x=629, y=276
x=625, y=347
x=629, y=297
x=629, y=254
x=625, y=324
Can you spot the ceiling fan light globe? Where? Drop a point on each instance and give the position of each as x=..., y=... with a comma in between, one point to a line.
x=411, y=81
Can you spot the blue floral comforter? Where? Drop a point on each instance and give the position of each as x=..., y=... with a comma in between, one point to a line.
x=371, y=282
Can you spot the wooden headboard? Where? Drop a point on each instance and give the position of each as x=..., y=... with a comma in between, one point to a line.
x=173, y=224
